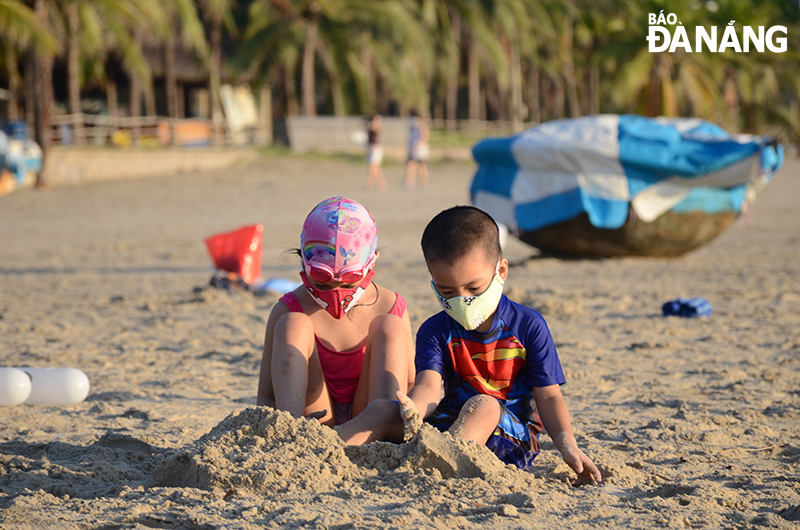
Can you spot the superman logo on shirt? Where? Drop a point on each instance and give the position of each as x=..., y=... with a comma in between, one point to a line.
x=490, y=368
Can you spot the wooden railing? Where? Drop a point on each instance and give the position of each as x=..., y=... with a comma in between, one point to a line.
x=92, y=129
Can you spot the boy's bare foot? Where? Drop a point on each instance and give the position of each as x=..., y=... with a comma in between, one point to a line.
x=412, y=419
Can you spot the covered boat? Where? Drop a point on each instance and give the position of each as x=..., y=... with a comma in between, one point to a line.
x=621, y=185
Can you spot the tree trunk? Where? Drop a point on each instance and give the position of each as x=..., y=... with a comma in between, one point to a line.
x=171, y=78
x=558, y=96
x=265, y=114
x=337, y=94
x=732, y=102
x=135, y=102
x=453, y=71
x=181, y=102
x=150, y=99
x=369, y=106
x=337, y=91
x=73, y=72
x=586, y=94
x=43, y=98
x=473, y=67
x=438, y=107
x=493, y=100
x=516, y=110
x=111, y=98
x=29, y=83
x=594, y=89
x=309, y=92
x=13, y=84
x=381, y=96
x=290, y=86
x=654, y=92
x=569, y=68
x=215, y=79
x=533, y=93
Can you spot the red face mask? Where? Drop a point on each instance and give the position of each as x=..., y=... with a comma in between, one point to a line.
x=337, y=302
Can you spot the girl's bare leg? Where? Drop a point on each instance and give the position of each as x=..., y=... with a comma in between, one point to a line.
x=385, y=368
x=297, y=380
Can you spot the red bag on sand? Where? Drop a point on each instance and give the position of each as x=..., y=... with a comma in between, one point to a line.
x=238, y=251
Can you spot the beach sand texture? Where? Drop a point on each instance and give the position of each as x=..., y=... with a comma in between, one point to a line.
x=693, y=422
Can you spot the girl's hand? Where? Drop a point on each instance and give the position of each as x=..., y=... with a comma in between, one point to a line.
x=412, y=419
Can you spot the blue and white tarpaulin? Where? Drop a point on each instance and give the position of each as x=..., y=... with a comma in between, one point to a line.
x=605, y=164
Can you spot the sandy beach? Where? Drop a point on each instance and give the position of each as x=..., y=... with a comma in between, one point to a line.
x=693, y=422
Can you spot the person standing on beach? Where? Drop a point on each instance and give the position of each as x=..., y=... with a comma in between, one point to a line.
x=374, y=154
x=340, y=340
x=496, y=358
x=418, y=152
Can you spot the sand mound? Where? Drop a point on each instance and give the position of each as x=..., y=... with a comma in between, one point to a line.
x=262, y=450
x=267, y=451
x=430, y=449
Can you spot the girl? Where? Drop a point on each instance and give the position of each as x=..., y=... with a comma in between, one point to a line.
x=340, y=341
x=374, y=154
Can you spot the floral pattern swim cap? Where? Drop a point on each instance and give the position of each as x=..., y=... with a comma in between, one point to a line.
x=339, y=232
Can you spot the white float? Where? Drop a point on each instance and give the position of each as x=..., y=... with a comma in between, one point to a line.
x=15, y=386
x=56, y=386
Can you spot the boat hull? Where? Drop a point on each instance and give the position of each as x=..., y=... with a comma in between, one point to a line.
x=671, y=234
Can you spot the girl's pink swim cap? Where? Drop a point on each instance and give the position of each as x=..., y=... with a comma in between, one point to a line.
x=339, y=233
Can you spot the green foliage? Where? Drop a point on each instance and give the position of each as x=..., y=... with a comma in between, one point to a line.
x=561, y=57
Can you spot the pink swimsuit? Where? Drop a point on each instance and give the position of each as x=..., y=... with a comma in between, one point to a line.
x=341, y=369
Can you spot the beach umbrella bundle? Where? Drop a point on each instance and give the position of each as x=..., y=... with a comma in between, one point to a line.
x=613, y=185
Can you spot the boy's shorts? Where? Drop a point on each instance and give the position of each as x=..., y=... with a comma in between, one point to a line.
x=513, y=441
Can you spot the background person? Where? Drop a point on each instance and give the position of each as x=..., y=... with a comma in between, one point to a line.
x=374, y=154
x=418, y=152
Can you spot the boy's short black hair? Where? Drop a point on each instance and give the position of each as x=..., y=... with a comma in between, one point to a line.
x=453, y=233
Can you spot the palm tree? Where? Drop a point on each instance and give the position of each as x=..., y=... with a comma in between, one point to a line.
x=356, y=41
x=218, y=14
x=182, y=16
x=95, y=30
x=20, y=28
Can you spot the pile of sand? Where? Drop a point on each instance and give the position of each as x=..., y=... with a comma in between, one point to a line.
x=266, y=451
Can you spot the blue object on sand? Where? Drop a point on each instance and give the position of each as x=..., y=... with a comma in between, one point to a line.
x=278, y=285
x=607, y=165
x=687, y=307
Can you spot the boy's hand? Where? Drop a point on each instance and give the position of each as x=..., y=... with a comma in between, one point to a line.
x=583, y=466
x=579, y=462
x=412, y=419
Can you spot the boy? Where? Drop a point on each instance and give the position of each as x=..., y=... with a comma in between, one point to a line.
x=492, y=354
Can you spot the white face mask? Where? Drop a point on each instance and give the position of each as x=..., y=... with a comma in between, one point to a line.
x=472, y=311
